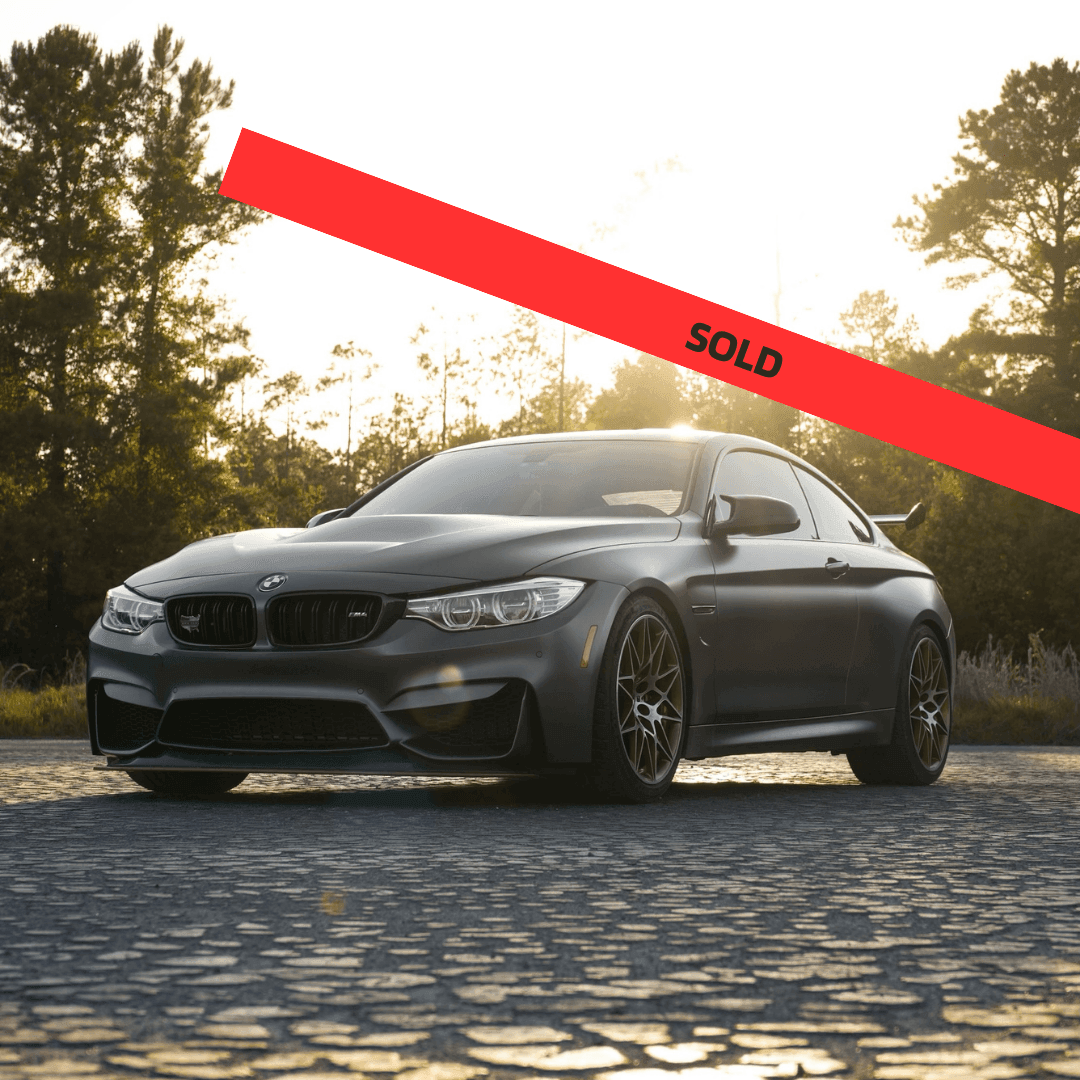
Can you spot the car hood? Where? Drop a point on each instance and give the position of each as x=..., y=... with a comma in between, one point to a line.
x=451, y=548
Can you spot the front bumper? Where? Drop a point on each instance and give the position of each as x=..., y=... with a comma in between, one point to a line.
x=411, y=684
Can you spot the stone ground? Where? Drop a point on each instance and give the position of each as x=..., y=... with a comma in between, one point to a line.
x=770, y=918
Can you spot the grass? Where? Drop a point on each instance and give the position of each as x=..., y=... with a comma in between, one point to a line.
x=998, y=700
x=53, y=712
x=1023, y=721
x=54, y=708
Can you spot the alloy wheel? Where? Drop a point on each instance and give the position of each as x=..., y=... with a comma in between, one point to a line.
x=650, y=698
x=928, y=703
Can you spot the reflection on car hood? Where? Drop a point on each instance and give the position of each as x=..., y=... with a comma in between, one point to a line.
x=463, y=547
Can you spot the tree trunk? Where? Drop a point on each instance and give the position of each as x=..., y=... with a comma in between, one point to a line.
x=147, y=383
x=562, y=382
x=57, y=607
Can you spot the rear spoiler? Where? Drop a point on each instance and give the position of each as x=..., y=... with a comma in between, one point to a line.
x=911, y=520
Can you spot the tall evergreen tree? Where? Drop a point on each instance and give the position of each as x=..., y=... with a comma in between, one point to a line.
x=342, y=371
x=114, y=358
x=181, y=350
x=66, y=115
x=520, y=366
x=1012, y=211
x=1009, y=564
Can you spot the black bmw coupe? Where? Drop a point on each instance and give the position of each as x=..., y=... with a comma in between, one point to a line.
x=601, y=604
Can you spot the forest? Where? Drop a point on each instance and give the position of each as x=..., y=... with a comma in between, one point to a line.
x=136, y=418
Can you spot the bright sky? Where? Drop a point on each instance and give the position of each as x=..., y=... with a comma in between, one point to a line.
x=801, y=127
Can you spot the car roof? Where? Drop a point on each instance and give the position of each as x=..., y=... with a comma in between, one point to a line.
x=718, y=440
x=678, y=435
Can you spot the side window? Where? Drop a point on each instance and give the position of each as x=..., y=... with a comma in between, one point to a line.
x=747, y=472
x=836, y=520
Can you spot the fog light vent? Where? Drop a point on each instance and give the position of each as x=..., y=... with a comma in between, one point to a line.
x=484, y=728
x=123, y=728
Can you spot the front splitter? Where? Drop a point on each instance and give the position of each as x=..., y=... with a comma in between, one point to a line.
x=382, y=762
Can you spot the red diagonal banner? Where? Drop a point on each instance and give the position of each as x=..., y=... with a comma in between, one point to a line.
x=654, y=318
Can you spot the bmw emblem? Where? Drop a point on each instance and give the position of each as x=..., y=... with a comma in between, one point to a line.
x=274, y=581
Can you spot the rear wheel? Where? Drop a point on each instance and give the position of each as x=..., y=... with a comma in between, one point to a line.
x=920, y=741
x=183, y=782
x=639, y=726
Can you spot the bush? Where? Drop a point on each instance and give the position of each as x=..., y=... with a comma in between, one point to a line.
x=993, y=673
x=35, y=706
x=55, y=712
x=1023, y=721
x=999, y=700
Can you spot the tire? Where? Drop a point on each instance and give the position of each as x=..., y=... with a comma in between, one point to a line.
x=920, y=741
x=183, y=782
x=640, y=721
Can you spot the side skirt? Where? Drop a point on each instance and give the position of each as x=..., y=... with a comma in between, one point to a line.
x=774, y=736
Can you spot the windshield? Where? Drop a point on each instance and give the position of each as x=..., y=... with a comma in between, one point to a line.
x=550, y=479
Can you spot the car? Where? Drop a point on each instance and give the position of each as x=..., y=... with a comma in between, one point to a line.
x=596, y=605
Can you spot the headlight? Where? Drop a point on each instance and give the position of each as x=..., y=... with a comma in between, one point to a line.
x=128, y=613
x=496, y=605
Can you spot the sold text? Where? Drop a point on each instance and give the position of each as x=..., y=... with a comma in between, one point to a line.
x=724, y=346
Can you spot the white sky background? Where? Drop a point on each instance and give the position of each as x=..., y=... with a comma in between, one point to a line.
x=806, y=127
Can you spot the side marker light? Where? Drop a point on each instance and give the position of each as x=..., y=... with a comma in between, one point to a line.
x=588, y=647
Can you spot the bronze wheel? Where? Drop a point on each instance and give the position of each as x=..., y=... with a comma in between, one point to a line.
x=929, y=705
x=649, y=698
x=642, y=701
x=921, y=723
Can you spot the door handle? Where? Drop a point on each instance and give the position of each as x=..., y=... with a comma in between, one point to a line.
x=837, y=568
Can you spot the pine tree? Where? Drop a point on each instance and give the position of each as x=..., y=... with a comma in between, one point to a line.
x=1012, y=210
x=115, y=359
x=182, y=352
x=66, y=115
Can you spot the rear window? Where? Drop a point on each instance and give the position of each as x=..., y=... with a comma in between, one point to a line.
x=837, y=521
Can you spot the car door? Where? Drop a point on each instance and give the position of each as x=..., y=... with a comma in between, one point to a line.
x=786, y=617
x=876, y=576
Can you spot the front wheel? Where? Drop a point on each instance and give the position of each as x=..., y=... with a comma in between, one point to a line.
x=639, y=726
x=920, y=741
x=184, y=782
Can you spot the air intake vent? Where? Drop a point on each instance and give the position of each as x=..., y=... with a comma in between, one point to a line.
x=224, y=621
x=484, y=728
x=306, y=619
x=123, y=728
x=270, y=724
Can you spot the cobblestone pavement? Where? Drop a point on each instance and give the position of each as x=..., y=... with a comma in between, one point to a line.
x=770, y=918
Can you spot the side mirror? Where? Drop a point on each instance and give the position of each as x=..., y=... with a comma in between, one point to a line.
x=756, y=515
x=326, y=515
